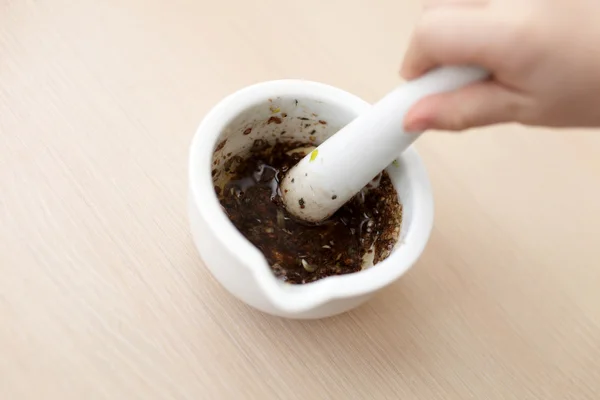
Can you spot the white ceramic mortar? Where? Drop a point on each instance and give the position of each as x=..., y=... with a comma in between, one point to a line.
x=232, y=259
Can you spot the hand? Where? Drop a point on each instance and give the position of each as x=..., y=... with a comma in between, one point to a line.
x=544, y=57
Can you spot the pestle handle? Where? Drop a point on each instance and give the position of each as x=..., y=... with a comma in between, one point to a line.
x=341, y=166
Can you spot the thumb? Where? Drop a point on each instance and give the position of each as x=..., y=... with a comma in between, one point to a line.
x=480, y=104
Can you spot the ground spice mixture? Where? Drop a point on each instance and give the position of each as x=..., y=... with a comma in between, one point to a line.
x=366, y=228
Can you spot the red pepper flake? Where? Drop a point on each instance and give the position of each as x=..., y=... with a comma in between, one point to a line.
x=301, y=202
x=277, y=120
x=247, y=131
x=322, y=122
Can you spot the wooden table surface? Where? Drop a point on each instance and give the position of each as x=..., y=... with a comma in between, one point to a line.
x=102, y=295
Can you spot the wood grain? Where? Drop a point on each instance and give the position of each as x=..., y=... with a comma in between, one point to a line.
x=102, y=295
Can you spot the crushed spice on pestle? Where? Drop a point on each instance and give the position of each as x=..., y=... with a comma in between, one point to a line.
x=367, y=226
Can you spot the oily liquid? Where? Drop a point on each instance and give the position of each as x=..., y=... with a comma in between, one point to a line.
x=368, y=225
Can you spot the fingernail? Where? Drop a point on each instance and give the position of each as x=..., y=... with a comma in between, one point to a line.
x=417, y=126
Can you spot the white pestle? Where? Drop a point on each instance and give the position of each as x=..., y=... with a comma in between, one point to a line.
x=340, y=167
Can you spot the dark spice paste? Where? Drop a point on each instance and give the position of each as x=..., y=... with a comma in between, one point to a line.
x=367, y=226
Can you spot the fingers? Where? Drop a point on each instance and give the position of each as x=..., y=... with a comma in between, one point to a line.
x=481, y=104
x=450, y=36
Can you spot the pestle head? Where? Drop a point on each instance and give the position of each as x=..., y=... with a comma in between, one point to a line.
x=340, y=167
